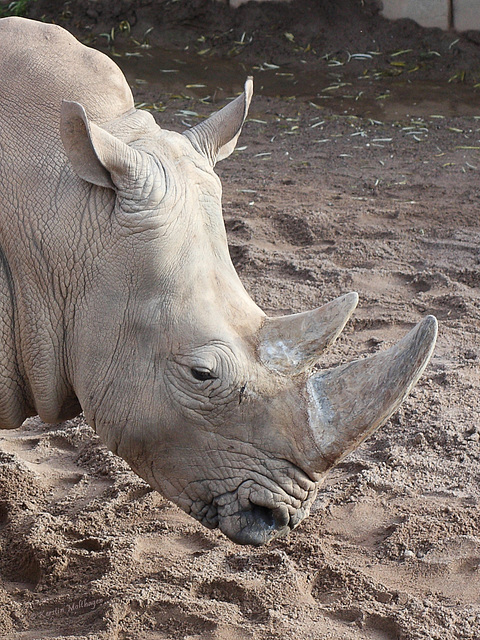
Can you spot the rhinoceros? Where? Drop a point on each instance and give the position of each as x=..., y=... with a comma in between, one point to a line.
x=119, y=299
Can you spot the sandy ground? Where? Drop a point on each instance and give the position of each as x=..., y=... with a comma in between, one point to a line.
x=318, y=202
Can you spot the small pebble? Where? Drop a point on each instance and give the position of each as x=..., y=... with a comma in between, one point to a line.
x=419, y=439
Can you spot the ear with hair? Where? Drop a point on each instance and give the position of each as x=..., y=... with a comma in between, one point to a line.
x=216, y=137
x=96, y=155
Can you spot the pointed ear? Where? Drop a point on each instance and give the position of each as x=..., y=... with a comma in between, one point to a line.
x=96, y=155
x=216, y=137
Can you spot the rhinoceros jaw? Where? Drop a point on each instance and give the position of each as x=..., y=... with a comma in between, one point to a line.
x=348, y=403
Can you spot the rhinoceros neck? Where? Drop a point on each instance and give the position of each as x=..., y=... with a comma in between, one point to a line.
x=33, y=338
x=34, y=323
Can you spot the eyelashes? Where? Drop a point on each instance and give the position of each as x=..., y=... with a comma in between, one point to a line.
x=202, y=374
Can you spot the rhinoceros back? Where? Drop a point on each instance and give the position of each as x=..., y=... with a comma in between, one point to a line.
x=42, y=64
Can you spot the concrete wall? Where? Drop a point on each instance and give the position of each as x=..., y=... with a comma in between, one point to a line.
x=461, y=15
x=428, y=13
x=466, y=15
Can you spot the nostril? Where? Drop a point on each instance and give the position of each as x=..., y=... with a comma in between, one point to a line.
x=270, y=518
x=257, y=524
x=264, y=515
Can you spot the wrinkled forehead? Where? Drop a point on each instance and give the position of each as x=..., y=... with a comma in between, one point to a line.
x=195, y=191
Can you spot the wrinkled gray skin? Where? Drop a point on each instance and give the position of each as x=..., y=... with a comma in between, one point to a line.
x=118, y=297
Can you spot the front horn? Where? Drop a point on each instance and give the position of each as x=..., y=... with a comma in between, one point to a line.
x=349, y=402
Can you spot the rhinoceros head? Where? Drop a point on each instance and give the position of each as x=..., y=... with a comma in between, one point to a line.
x=214, y=404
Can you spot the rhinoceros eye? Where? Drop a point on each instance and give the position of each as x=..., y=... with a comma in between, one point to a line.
x=202, y=374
